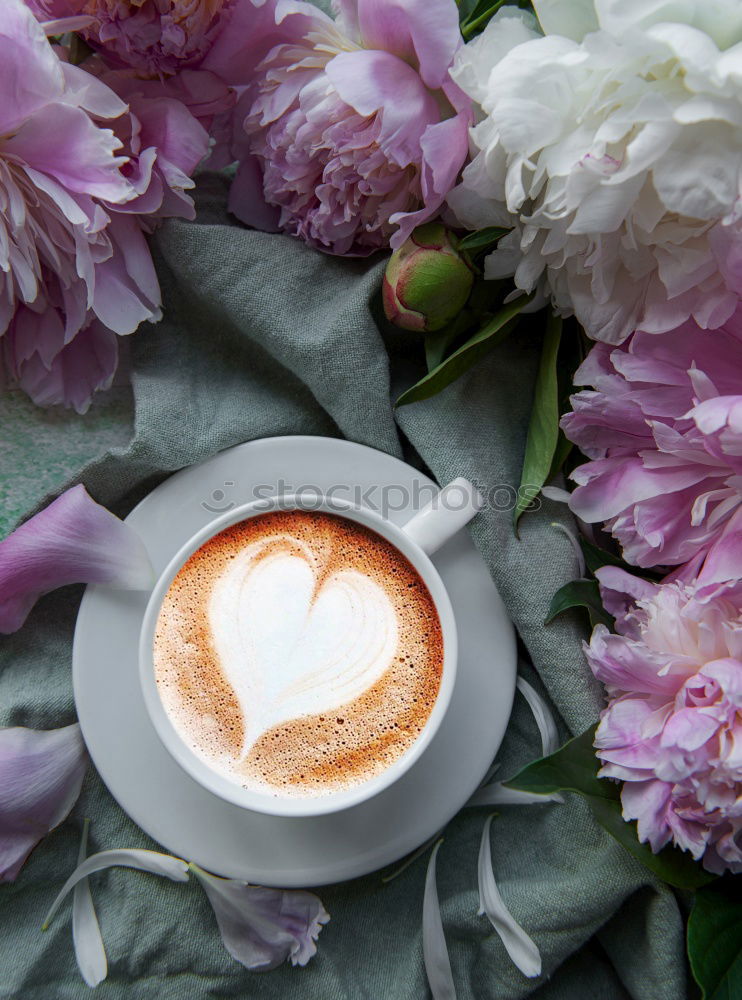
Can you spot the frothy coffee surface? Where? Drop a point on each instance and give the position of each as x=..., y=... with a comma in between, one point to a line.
x=298, y=653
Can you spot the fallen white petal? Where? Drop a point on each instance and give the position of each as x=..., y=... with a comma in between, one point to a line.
x=435, y=952
x=496, y=794
x=518, y=944
x=543, y=716
x=554, y=493
x=89, y=949
x=146, y=861
x=575, y=543
x=62, y=25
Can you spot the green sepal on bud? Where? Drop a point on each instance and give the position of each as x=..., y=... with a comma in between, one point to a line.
x=427, y=282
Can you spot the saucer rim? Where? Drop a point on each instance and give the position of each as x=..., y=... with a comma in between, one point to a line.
x=360, y=861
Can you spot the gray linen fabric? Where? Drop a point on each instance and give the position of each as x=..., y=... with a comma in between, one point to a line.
x=263, y=336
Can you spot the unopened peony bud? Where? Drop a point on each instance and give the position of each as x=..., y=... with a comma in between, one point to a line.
x=426, y=281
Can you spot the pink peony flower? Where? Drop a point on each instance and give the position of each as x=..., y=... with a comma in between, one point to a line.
x=195, y=51
x=155, y=37
x=663, y=430
x=78, y=169
x=672, y=731
x=355, y=132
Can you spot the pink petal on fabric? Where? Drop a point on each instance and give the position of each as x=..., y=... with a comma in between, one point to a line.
x=424, y=33
x=41, y=773
x=73, y=540
x=262, y=928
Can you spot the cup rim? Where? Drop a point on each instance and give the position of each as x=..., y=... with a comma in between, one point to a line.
x=297, y=805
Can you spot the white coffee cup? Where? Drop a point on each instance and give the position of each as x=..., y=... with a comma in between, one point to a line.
x=421, y=536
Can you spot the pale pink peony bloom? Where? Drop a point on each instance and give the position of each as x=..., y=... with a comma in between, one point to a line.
x=662, y=426
x=672, y=731
x=355, y=132
x=78, y=169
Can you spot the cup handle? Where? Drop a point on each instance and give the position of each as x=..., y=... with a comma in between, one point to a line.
x=444, y=515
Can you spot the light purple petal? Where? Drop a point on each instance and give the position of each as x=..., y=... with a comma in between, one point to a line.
x=72, y=373
x=663, y=428
x=444, y=147
x=378, y=81
x=261, y=928
x=435, y=951
x=247, y=200
x=619, y=590
x=73, y=540
x=648, y=803
x=518, y=944
x=30, y=73
x=41, y=773
x=64, y=143
x=127, y=292
x=424, y=33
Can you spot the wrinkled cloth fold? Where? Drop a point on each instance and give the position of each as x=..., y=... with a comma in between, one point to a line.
x=263, y=336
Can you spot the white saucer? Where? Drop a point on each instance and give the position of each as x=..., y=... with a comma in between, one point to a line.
x=286, y=852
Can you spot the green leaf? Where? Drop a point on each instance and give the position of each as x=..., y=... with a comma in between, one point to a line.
x=580, y=594
x=482, y=239
x=543, y=429
x=475, y=348
x=561, y=453
x=574, y=768
x=596, y=557
x=479, y=17
x=438, y=343
x=715, y=939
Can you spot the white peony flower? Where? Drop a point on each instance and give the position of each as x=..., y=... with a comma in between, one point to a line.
x=611, y=141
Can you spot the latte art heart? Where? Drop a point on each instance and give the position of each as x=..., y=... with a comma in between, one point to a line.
x=292, y=644
x=298, y=653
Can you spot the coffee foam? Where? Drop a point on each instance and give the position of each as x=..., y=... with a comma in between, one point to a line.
x=349, y=642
